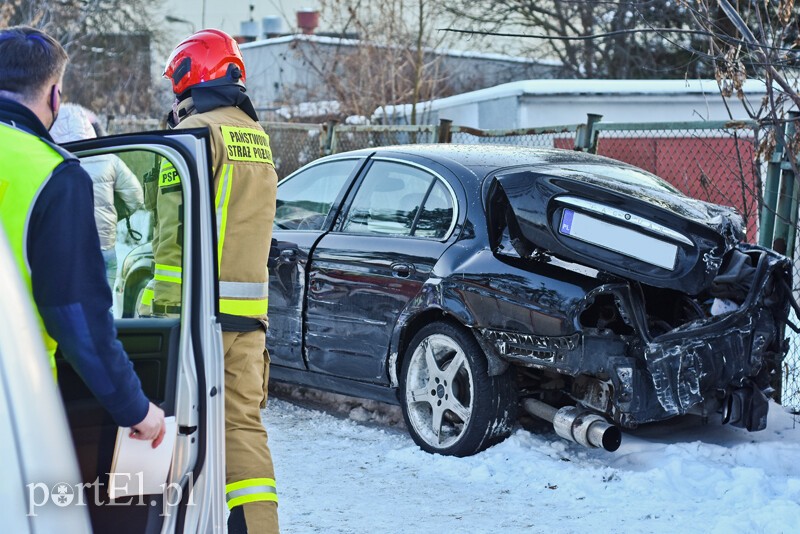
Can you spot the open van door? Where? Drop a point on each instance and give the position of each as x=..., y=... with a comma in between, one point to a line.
x=179, y=359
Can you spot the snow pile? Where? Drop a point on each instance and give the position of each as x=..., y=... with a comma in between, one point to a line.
x=348, y=466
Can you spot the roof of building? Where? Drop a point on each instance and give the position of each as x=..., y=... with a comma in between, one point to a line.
x=561, y=87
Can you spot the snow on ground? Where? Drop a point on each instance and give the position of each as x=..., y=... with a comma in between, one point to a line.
x=346, y=465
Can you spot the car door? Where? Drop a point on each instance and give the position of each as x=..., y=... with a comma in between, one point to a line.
x=307, y=204
x=177, y=358
x=362, y=274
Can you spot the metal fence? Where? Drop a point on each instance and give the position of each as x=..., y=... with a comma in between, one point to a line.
x=294, y=145
x=122, y=125
x=351, y=137
x=556, y=136
x=712, y=160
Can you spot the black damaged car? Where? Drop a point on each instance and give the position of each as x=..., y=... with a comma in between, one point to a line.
x=467, y=282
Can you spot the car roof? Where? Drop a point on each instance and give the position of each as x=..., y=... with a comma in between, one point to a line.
x=482, y=158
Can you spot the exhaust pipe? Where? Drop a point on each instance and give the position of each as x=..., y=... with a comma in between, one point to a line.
x=586, y=428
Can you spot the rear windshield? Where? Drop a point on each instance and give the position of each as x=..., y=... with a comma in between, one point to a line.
x=612, y=173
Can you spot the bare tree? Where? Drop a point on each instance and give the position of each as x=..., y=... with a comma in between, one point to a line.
x=594, y=39
x=109, y=43
x=760, y=40
x=387, y=54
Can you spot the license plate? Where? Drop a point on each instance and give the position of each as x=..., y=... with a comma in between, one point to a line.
x=619, y=239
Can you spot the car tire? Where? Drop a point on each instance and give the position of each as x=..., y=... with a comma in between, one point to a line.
x=454, y=411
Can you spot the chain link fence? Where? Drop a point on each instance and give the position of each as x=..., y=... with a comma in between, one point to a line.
x=352, y=137
x=294, y=145
x=546, y=137
x=711, y=161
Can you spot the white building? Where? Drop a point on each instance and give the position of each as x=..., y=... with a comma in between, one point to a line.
x=536, y=103
x=290, y=69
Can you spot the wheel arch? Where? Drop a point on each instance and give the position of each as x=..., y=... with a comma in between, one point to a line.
x=408, y=328
x=139, y=274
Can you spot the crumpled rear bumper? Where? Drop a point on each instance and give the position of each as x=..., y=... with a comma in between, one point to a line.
x=732, y=355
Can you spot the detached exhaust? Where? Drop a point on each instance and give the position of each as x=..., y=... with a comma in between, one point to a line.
x=586, y=428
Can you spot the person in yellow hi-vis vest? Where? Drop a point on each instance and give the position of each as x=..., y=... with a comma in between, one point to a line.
x=207, y=75
x=47, y=213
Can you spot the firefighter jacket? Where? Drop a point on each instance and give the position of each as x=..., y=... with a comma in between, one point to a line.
x=46, y=211
x=245, y=185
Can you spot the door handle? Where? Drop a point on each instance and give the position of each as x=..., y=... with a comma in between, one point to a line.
x=288, y=255
x=402, y=270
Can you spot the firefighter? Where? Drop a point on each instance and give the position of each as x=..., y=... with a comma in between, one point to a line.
x=47, y=213
x=207, y=74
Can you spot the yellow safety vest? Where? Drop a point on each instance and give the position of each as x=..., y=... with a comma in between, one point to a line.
x=27, y=163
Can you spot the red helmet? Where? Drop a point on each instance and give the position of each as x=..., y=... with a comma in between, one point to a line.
x=203, y=57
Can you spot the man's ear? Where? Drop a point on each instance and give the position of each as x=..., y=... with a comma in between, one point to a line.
x=55, y=98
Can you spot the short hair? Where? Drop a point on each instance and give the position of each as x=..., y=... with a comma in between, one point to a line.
x=29, y=59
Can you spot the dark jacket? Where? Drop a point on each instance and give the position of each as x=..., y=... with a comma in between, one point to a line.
x=69, y=280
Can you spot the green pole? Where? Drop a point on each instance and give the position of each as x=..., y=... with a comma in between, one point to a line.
x=592, y=135
x=785, y=198
x=766, y=228
x=792, y=229
x=585, y=133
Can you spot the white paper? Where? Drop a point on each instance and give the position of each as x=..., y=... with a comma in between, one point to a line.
x=139, y=469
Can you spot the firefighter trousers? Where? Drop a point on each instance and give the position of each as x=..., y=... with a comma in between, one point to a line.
x=250, y=476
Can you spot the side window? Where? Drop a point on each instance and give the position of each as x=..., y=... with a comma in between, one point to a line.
x=305, y=199
x=437, y=213
x=397, y=199
x=139, y=214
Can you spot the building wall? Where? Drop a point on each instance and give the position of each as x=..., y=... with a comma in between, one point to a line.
x=270, y=70
x=541, y=103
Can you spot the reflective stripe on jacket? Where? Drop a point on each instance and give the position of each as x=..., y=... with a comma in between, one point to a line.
x=27, y=163
x=250, y=490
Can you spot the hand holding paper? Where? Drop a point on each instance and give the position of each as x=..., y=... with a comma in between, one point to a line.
x=151, y=428
x=139, y=467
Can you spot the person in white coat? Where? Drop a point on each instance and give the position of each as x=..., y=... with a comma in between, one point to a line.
x=109, y=174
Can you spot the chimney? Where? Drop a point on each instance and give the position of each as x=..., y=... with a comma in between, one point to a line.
x=248, y=30
x=307, y=20
x=272, y=26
